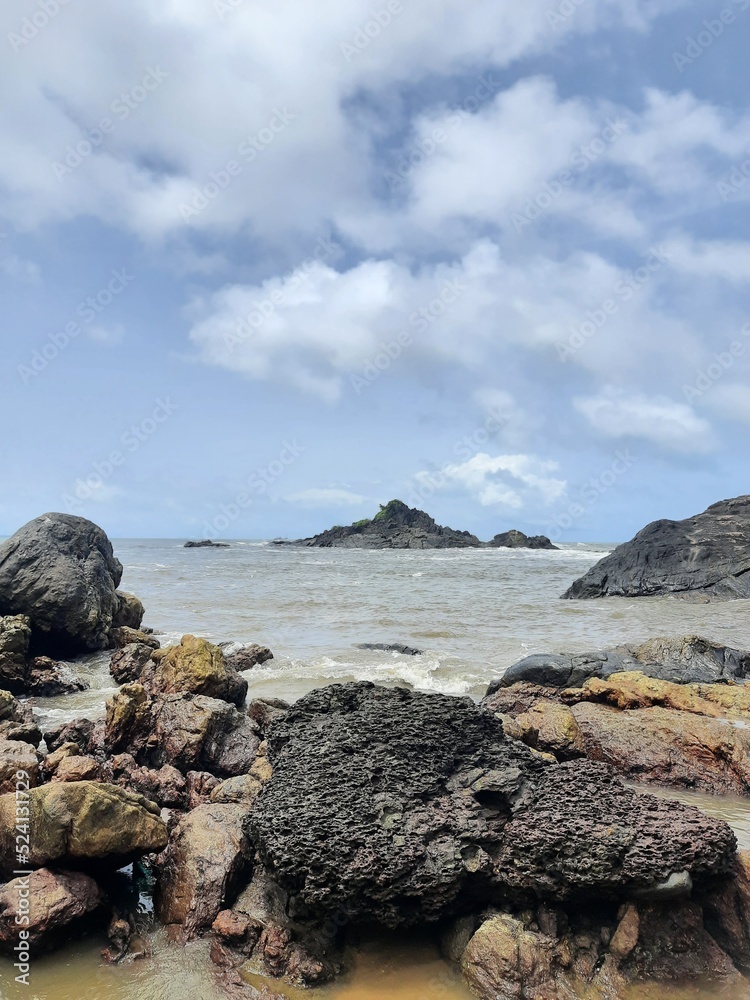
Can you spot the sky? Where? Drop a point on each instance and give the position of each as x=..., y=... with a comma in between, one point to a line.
x=265, y=266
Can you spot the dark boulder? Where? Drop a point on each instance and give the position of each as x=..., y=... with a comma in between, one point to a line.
x=206, y=544
x=402, y=808
x=60, y=570
x=240, y=656
x=15, y=640
x=708, y=553
x=129, y=663
x=517, y=540
x=390, y=647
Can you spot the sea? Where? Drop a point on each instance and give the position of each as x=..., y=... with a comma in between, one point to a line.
x=471, y=613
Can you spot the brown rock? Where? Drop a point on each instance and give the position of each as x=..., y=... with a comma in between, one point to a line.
x=245, y=657
x=666, y=747
x=197, y=667
x=165, y=785
x=48, y=679
x=124, y=636
x=208, y=857
x=17, y=721
x=130, y=662
x=77, y=768
x=17, y=757
x=552, y=728
x=60, y=906
x=83, y=821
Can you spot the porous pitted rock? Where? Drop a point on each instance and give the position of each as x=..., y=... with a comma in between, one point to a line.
x=402, y=807
x=51, y=906
x=15, y=640
x=15, y=758
x=190, y=732
x=17, y=721
x=83, y=822
x=686, y=660
x=131, y=662
x=129, y=611
x=396, y=526
x=239, y=656
x=708, y=553
x=517, y=540
x=583, y=835
x=197, y=667
x=60, y=570
x=206, y=864
x=726, y=906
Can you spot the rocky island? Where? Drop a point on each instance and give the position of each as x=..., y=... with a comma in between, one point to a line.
x=398, y=526
x=706, y=554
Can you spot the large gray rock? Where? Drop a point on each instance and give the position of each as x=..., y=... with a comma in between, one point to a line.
x=60, y=571
x=708, y=553
x=402, y=808
x=686, y=660
x=518, y=540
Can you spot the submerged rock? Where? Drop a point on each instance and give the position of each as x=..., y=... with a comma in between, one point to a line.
x=708, y=553
x=60, y=570
x=83, y=822
x=239, y=656
x=50, y=907
x=390, y=647
x=206, y=544
x=401, y=807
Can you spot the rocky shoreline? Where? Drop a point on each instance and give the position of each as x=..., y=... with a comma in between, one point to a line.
x=278, y=831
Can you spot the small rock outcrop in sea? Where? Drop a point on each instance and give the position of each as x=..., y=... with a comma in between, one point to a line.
x=707, y=554
x=396, y=526
x=206, y=544
x=687, y=660
x=390, y=647
x=517, y=540
x=60, y=572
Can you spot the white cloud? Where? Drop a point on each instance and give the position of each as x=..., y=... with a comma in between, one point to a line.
x=505, y=480
x=731, y=401
x=658, y=419
x=18, y=269
x=108, y=335
x=325, y=498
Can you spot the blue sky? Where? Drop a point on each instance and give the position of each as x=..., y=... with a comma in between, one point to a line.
x=266, y=266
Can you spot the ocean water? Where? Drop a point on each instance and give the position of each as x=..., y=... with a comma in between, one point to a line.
x=473, y=613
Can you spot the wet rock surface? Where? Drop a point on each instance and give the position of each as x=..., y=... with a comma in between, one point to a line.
x=708, y=553
x=61, y=905
x=197, y=667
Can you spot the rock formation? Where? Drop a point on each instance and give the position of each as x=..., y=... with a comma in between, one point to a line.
x=707, y=554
